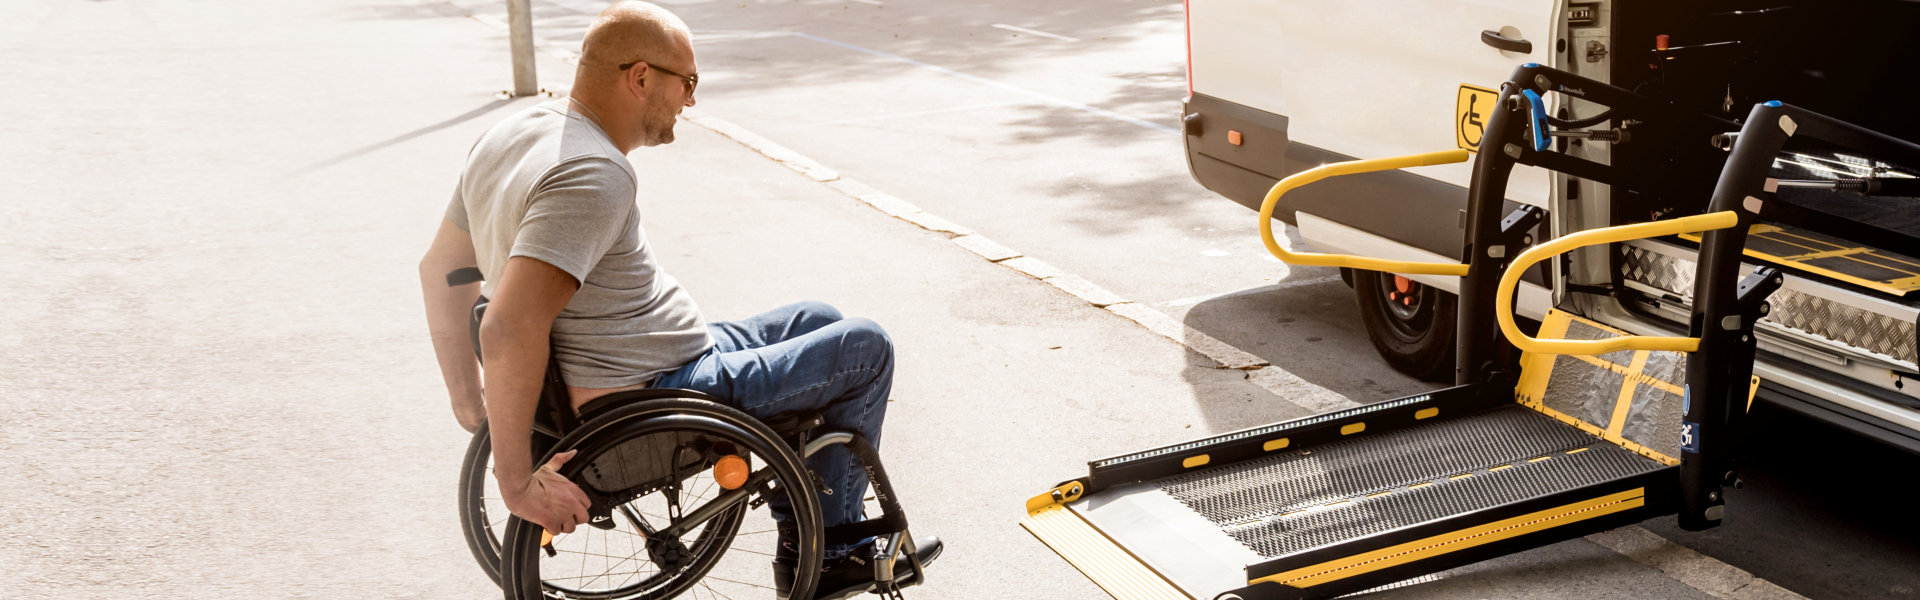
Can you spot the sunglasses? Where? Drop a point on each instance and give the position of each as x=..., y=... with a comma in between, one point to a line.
x=692, y=81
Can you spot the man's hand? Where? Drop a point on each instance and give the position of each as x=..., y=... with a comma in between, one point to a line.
x=547, y=499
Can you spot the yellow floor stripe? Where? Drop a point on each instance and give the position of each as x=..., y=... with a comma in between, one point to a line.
x=1098, y=557
x=1429, y=547
x=1624, y=402
x=1897, y=286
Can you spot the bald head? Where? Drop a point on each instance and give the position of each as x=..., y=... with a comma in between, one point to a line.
x=627, y=32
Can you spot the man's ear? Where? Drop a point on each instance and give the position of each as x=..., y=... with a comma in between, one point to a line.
x=637, y=80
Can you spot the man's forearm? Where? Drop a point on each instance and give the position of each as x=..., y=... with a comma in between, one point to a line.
x=516, y=359
x=448, y=319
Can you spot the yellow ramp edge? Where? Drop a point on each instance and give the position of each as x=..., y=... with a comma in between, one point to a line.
x=1429, y=547
x=1096, y=556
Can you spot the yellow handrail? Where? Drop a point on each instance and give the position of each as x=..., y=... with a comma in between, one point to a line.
x=1345, y=260
x=1503, y=300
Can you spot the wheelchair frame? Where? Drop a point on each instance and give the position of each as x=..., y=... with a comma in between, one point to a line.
x=783, y=441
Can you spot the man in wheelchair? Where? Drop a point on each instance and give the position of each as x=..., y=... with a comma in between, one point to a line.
x=545, y=209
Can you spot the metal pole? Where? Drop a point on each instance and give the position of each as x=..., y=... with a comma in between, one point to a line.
x=520, y=31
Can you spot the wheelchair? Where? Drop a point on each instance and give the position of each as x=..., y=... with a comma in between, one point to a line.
x=673, y=478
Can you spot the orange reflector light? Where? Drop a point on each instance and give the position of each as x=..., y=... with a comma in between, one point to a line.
x=730, y=472
x=1233, y=137
x=546, y=538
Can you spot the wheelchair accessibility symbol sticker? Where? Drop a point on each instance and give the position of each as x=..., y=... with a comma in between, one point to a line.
x=1470, y=113
x=1689, y=437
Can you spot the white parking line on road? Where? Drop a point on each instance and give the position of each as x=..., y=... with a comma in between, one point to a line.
x=1698, y=571
x=873, y=2
x=1018, y=29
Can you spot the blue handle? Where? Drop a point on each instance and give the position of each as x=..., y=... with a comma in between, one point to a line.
x=1537, y=118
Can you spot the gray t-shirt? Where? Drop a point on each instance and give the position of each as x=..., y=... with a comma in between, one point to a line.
x=548, y=184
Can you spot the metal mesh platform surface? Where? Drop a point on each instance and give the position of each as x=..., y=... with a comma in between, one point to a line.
x=1344, y=490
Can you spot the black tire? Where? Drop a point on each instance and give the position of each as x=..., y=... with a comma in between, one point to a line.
x=483, y=516
x=1411, y=324
x=620, y=442
x=478, y=520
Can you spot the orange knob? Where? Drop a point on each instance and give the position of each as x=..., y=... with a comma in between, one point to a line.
x=730, y=471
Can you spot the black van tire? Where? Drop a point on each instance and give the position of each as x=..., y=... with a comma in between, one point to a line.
x=1416, y=339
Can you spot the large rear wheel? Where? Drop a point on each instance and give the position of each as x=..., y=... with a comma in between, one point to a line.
x=664, y=525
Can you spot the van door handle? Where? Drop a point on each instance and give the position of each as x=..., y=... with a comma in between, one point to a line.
x=1493, y=38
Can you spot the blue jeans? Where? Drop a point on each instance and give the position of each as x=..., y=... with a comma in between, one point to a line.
x=804, y=356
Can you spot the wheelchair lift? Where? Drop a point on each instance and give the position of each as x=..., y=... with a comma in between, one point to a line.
x=1597, y=429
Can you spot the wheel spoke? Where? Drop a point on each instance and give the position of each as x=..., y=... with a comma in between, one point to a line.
x=767, y=587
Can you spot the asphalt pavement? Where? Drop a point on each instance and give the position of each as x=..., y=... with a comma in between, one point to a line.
x=218, y=378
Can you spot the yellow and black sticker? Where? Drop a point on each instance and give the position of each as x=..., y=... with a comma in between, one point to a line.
x=1470, y=114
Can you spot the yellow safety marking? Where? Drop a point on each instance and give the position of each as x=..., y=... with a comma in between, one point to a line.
x=1342, y=260
x=1380, y=494
x=1499, y=468
x=1898, y=287
x=1536, y=369
x=1829, y=254
x=1624, y=401
x=1460, y=476
x=1538, y=459
x=1442, y=544
x=1601, y=433
x=1757, y=232
x=1640, y=378
x=1067, y=492
x=1273, y=445
x=1426, y=413
x=1353, y=428
x=1098, y=557
x=1472, y=109
x=1419, y=485
x=1576, y=450
x=1195, y=461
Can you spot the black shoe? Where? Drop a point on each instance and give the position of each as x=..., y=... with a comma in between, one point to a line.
x=853, y=575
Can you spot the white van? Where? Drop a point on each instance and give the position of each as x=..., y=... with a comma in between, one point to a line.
x=1279, y=86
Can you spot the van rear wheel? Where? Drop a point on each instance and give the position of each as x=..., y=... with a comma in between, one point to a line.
x=1411, y=324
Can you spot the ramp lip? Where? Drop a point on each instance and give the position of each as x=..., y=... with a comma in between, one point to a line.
x=1117, y=571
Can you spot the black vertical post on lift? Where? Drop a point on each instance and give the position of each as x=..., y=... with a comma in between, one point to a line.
x=1485, y=252
x=1725, y=308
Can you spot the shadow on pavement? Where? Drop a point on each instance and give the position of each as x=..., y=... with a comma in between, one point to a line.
x=1310, y=327
x=377, y=146
x=1824, y=513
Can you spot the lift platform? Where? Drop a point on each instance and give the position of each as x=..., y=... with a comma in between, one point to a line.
x=1364, y=497
x=1594, y=428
